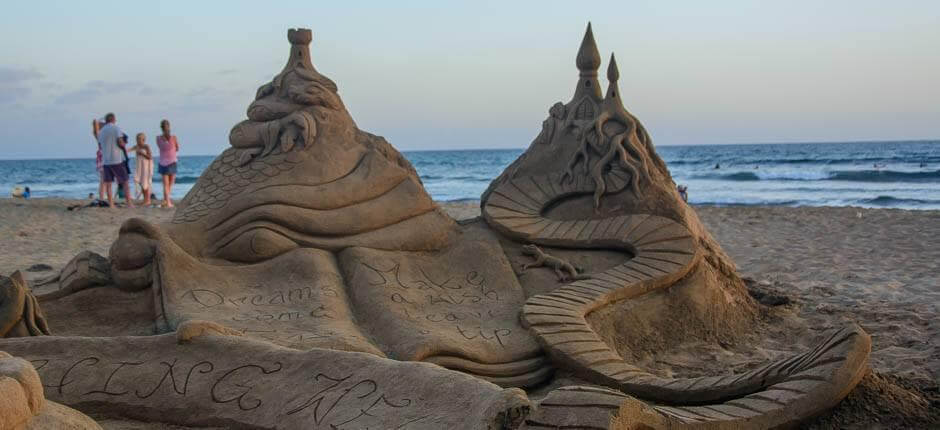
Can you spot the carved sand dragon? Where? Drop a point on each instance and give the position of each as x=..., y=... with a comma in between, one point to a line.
x=664, y=251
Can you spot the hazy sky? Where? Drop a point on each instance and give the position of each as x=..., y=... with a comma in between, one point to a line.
x=449, y=75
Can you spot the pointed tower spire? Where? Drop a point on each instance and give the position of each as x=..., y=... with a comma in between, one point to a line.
x=589, y=58
x=588, y=61
x=613, y=75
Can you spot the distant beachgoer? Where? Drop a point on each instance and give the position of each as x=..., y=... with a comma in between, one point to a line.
x=683, y=192
x=143, y=176
x=112, y=142
x=169, y=147
x=94, y=203
x=26, y=193
x=96, y=125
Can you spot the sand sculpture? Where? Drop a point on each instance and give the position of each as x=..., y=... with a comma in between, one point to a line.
x=22, y=405
x=309, y=281
x=20, y=314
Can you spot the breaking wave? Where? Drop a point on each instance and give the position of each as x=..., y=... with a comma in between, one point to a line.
x=837, y=175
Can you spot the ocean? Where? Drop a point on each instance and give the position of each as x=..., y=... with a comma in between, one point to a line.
x=871, y=174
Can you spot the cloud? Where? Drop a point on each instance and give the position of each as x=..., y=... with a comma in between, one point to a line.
x=82, y=95
x=12, y=82
x=97, y=88
x=11, y=94
x=10, y=75
x=204, y=99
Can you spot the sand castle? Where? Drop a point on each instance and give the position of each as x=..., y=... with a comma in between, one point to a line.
x=309, y=281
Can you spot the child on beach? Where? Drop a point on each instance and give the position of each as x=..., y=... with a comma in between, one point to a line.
x=168, y=148
x=143, y=176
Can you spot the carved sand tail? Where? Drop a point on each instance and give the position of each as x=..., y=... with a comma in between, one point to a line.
x=664, y=251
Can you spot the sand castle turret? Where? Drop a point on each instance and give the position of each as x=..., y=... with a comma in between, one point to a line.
x=588, y=61
x=613, y=75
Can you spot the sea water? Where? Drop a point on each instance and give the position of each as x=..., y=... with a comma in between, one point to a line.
x=872, y=174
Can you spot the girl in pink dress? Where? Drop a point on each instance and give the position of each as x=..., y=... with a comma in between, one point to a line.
x=168, y=148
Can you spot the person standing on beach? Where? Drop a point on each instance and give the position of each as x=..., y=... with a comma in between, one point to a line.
x=99, y=164
x=169, y=146
x=143, y=176
x=112, y=142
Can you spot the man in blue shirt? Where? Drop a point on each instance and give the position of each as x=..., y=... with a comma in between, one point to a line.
x=112, y=142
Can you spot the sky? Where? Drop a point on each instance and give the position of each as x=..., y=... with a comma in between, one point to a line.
x=475, y=74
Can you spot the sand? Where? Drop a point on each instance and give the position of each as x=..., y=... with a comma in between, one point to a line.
x=816, y=267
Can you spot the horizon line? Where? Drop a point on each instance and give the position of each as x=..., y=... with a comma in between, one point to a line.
x=821, y=142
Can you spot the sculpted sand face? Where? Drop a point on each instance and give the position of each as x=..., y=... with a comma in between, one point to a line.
x=308, y=262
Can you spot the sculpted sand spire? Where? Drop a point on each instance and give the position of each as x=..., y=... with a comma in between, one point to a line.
x=588, y=61
x=613, y=75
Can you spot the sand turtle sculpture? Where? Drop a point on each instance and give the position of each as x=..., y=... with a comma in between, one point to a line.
x=309, y=281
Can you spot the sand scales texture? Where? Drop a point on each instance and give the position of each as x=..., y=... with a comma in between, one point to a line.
x=310, y=236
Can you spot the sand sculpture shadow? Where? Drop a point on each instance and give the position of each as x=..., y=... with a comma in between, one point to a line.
x=309, y=281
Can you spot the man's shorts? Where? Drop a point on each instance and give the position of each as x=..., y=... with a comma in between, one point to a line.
x=169, y=169
x=115, y=172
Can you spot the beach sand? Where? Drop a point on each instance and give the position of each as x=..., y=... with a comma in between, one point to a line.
x=819, y=267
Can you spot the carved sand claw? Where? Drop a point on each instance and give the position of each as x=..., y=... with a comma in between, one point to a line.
x=23, y=406
x=21, y=395
x=20, y=314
